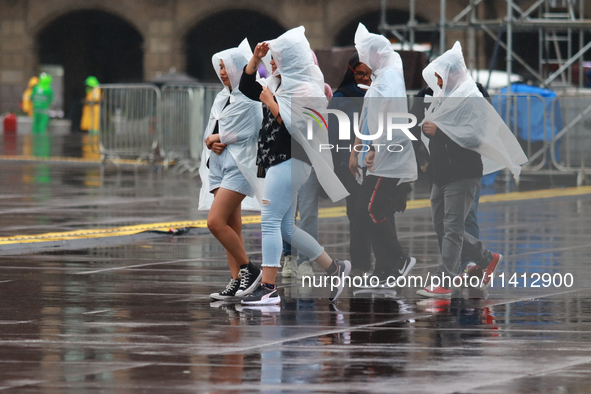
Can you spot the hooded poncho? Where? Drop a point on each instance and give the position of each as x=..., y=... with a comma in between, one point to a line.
x=302, y=85
x=387, y=93
x=238, y=125
x=459, y=110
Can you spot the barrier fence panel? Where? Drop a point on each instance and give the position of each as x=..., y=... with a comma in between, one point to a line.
x=527, y=117
x=176, y=126
x=129, y=124
x=184, y=116
x=570, y=146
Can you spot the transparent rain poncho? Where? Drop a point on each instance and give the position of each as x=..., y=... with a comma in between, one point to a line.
x=302, y=85
x=238, y=125
x=464, y=115
x=387, y=94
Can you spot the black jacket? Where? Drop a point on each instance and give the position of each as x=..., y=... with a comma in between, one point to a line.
x=448, y=161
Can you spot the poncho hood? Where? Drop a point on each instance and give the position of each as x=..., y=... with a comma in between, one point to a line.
x=234, y=61
x=376, y=51
x=451, y=66
x=461, y=112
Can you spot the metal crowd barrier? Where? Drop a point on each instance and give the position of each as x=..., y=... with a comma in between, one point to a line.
x=527, y=117
x=177, y=122
x=140, y=121
x=571, y=144
x=129, y=126
x=184, y=116
x=555, y=132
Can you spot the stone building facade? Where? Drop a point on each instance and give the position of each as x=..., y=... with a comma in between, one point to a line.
x=163, y=27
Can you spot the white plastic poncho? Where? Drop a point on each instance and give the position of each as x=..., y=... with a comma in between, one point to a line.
x=464, y=115
x=302, y=84
x=387, y=93
x=238, y=125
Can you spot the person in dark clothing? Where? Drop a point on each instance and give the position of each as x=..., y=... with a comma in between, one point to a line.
x=457, y=167
x=387, y=169
x=426, y=162
x=349, y=99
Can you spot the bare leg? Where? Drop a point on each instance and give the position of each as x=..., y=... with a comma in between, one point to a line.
x=269, y=274
x=324, y=260
x=235, y=222
x=222, y=221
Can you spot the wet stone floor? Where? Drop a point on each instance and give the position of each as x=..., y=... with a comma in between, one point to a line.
x=134, y=315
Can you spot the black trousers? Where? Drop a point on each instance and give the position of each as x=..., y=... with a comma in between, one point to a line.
x=376, y=216
x=359, y=244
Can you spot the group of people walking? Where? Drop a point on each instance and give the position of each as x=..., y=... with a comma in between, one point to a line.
x=257, y=154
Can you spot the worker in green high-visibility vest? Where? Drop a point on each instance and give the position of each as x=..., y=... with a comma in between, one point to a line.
x=42, y=97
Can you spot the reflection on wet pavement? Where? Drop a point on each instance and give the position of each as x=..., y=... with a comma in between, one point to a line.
x=136, y=317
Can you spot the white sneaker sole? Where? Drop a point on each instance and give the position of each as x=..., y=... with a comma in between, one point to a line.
x=264, y=309
x=244, y=293
x=427, y=294
x=267, y=301
x=217, y=296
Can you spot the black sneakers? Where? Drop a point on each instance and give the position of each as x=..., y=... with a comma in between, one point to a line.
x=263, y=295
x=229, y=292
x=250, y=276
x=344, y=269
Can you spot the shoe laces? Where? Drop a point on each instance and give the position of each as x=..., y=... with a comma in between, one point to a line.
x=260, y=291
x=230, y=285
x=244, y=277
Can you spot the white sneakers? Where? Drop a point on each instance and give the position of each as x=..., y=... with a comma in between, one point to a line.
x=305, y=269
x=291, y=268
x=290, y=265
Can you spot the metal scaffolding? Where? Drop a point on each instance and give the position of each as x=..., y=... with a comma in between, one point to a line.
x=554, y=20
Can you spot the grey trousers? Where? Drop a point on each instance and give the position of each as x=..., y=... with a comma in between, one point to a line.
x=450, y=205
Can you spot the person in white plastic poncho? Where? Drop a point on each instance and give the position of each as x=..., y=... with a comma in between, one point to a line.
x=285, y=156
x=229, y=173
x=391, y=161
x=466, y=138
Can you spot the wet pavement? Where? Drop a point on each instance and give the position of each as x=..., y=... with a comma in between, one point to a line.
x=132, y=314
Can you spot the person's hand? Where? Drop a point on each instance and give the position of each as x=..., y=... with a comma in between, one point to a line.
x=218, y=147
x=354, y=165
x=261, y=50
x=429, y=128
x=211, y=139
x=369, y=159
x=266, y=97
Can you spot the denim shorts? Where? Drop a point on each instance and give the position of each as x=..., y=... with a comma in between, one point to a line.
x=223, y=172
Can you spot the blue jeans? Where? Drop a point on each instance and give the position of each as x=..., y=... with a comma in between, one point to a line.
x=308, y=208
x=280, y=195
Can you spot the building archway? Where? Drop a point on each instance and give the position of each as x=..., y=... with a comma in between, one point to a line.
x=222, y=31
x=90, y=42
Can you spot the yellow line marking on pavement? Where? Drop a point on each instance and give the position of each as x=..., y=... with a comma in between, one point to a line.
x=64, y=159
x=331, y=212
x=535, y=194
